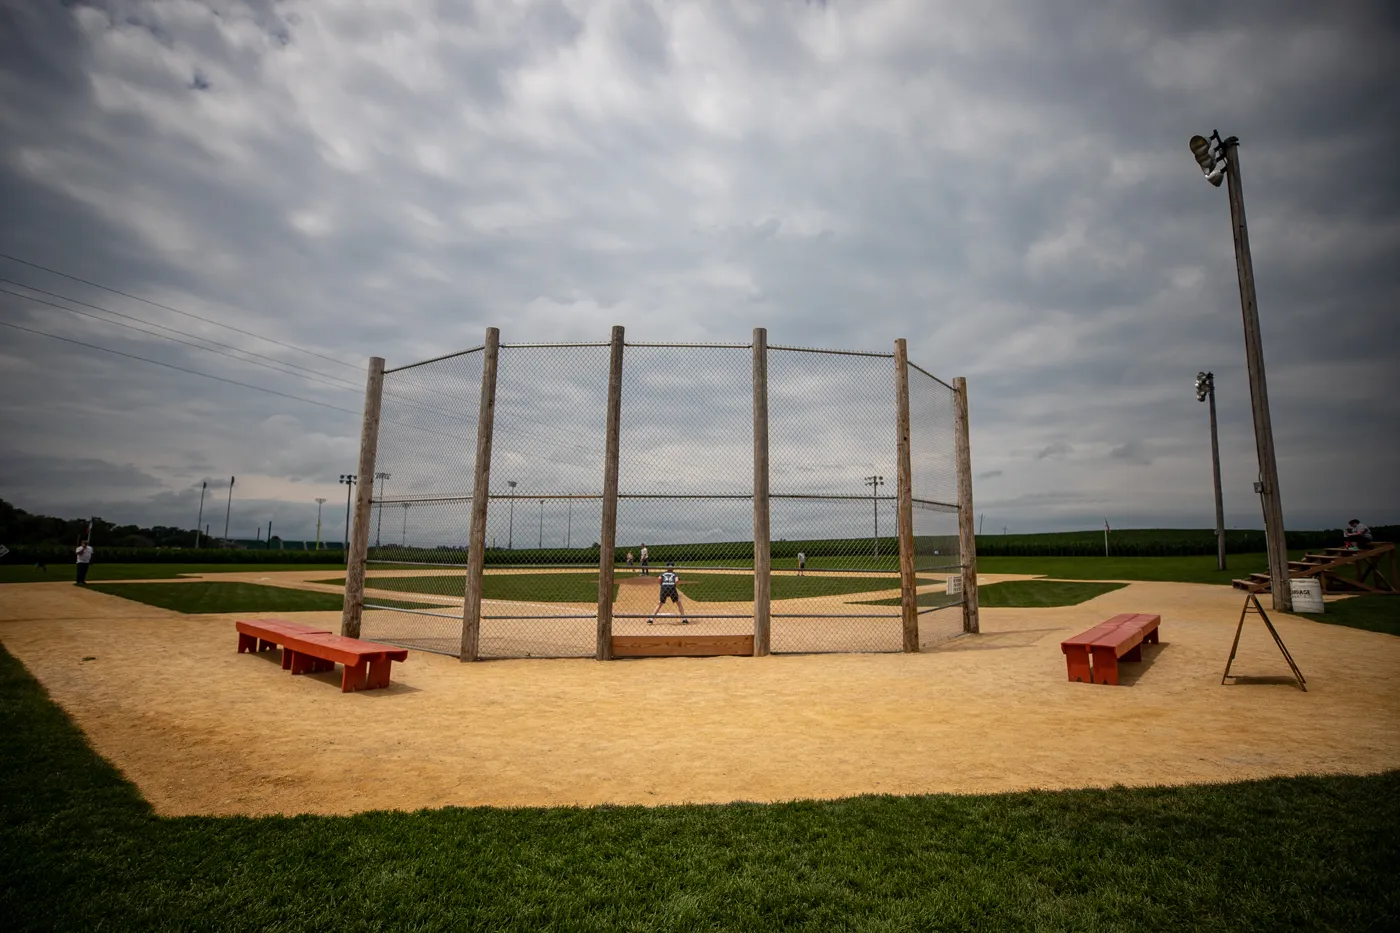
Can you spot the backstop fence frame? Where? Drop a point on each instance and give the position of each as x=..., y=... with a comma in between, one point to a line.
x=922, y=495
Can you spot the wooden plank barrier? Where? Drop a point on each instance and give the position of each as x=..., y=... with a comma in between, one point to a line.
x=681, y=646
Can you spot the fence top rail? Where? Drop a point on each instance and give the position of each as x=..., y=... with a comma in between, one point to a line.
x=701, y=346
x=933, y=505
x=551, y=346
x=931, y=376
x=436, y=359
x=871, y=353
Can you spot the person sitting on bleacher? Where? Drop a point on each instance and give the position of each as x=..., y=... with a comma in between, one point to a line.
x=1357, y=535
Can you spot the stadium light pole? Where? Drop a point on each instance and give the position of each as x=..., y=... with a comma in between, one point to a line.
x=229, y=508
x=319, y=502
x=199, y=522
x=569, y=527
x=379, y=524
x=541, y=524
x=348, y=480
x=510, y=532
x=403, y=541
x=1221, y=161
x=875, y=482
x=1205, y=391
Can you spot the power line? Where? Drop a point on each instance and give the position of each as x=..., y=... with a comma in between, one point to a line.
x=175, y=330
x=6, y=291
x=157, y=304
x=193, y=372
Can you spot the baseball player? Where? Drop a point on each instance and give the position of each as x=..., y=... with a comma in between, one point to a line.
x=670, y=589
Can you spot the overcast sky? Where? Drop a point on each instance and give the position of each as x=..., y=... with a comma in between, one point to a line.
x=1006, y=184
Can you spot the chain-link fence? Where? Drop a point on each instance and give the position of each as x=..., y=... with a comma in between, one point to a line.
x=685, y=499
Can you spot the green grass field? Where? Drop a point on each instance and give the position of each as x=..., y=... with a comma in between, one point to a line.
x=66, y=572
x=1196, y=569
x=1022, y=594
x=80, y=850
x=1372, y=613
x=207, y=597
x=583, y=587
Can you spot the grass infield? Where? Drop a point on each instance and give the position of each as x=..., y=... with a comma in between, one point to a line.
x=1022, y=594
x=59, y=573
x=81, y=850
x=205, y=597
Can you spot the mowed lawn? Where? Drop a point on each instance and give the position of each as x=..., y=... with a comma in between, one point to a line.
x=26, y=573
x=80, y=850
x=583, y=587
x=1193, y=569
x=209, y=597
x=1021, y=594
x=1372, y=613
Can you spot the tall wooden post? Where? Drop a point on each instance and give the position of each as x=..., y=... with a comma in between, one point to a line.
x=481, y=498
x=607, y=537
x=762, y=533
x=904, y=485
x=1275, y=538
x=353, y=608
x=967, y=530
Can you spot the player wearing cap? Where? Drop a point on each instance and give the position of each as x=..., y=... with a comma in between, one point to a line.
x=670, y=589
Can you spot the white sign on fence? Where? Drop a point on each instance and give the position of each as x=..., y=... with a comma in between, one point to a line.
x=954, y=585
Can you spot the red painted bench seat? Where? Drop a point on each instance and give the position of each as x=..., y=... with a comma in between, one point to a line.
x=1120, y=637
x=307, y=650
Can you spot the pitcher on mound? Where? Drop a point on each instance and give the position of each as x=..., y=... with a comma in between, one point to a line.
x=670, y=589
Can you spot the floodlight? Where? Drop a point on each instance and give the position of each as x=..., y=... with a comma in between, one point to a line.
x=1200, y=148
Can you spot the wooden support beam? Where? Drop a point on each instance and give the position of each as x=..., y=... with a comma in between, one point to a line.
x=481, y=496
x=681, y=646
x=967, y=529
x=352, y=610
x=607, y=536
x=904, y=501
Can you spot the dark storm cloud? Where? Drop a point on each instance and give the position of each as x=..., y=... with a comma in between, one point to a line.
x=1008, y=187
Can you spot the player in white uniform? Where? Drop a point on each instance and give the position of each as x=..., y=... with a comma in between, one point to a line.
x=645, y=555
x=670, y=589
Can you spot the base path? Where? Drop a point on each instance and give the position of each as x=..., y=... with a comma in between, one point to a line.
x=202, y=729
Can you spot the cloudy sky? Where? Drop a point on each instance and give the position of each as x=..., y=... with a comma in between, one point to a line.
x=1004, y=183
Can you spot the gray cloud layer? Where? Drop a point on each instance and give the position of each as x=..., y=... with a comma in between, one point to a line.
x=1005, y=184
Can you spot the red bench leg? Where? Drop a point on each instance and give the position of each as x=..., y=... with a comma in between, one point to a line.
x=1077, y=661
x=1105, y=666
x=1152, y=638
x=354, y=677
x=287, y=654
x=247, y=643
x=379, y=673
x=304, y=663
x=1135, y=654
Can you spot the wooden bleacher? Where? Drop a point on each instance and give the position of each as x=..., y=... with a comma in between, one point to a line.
x=1364, y=571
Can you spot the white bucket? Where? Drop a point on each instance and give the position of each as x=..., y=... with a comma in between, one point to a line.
x=954, y=585
x=1307, y=595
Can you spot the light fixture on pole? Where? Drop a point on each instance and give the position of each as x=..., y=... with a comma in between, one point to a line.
x=1219, y=158
x=510, y=532
x=348, y=480
x=875, y=482
x=319, y=502
x=379, y=524
x=199, y=523
x=1205, y=391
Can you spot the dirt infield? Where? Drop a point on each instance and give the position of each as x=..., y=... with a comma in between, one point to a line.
x=203, y=730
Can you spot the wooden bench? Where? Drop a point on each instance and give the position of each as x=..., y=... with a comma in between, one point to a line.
x=1120, y=637
x=306, y=650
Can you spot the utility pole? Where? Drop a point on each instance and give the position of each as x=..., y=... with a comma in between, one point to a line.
x=379, y=524
x=1205, y=391
x=1225, y=159
x=348, y=480
x=875, y=482
x=541, y=524
x=229, y=507
x=199, y=523
x=569, y=527
x=403, y=541
x=510, y=533
x=319, y=502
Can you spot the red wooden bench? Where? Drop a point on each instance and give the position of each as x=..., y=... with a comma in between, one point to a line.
x=306, y=650
x=1120, y=637
x=265, y=634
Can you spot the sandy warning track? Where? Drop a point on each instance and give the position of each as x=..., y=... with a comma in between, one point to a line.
x=203, y=730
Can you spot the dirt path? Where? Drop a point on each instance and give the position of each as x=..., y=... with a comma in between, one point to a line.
x=204, y=730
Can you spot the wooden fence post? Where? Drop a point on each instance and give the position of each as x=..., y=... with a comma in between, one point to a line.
x=352, y=610
x=762, y=534
x=607, y=538
x=481, y=499
x=967, y=537
x=908, y=584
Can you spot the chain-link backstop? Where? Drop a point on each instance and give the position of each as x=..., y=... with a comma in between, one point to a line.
x=808, y=501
